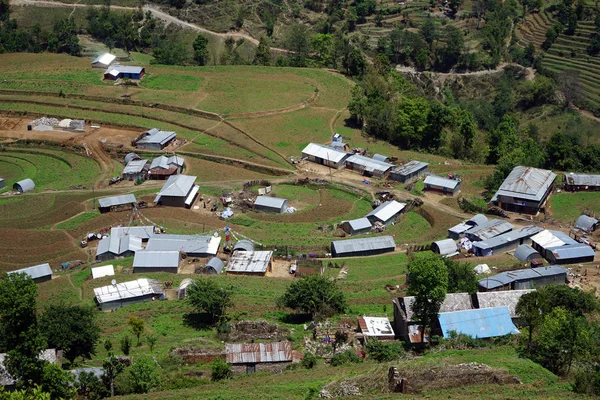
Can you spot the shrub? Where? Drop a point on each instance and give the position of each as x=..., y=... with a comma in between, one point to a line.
x=383, y=351
x=221, y=370
x=126, y=344
x=344, y=358
x=309, y=360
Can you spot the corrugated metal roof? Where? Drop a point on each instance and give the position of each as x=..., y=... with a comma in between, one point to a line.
x=547, y=238
x=525, y=251
x=582, y=179
x=134, y=167
x=504, y=298
x=25, y=185
x=144, y=232
x=177, y=186
x=409, y=168
x=188, y=244
x=446, y=246
x=244, y=245
x=526, y=183
x=509, y=237
x=249, y=261
x=586, y=223
x=452, y=302
x=156, y=259
x=131, y=156
x=490, y=229
x=106, y=270
x=164, y=162
x=572, y=251
x=157, y=136
x=119, y=243
x=359, y=224
x=363, y=244
x=376, y=327
x=441, y=182
x=367, y=162
x=124, y=69
x=127, y=290
x=324, y=152
x=380, y=157
x=478, y=323
x=216, y=264
x=505, y=278
x=36, y=271
x=104, y=59
x=255, y=353
x=477, y=219
x=271, y=202
x=460, y=228
x=387, y=210
x=117, y=200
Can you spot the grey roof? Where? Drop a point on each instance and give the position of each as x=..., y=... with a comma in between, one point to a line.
x=104, y=59
x=490, y=229
x=526, y=183
x=452, y=302
x=477, y=219
x=118, y=244
x=26, y=185
x=586, y=223
x=387, y=210
x=410, y=167
x=338, y=145
x=37, y=271
x=271, y=202
x=548, y=238
x=572, y=251
x=156, y=259
x=363, y=244
x=123, y=69
x=324, y=152
x=380, y=157
x=134, y=167
x=116, y=200
x=144, y=232
x=525, y=251
x=460, y=228
x=502, y=298
x=359, y=224
x=216, y=264
x=244, y=245
x=186, y=243
x=177, y=186
x=508, y=277
x=446, y=246
x=582, y=179
x=129, y=157
x=127, y=290
x=369, y=163
x=441, y=182
x=500, y=240
x=157, y=136
x=249, y=261
x=164, y=162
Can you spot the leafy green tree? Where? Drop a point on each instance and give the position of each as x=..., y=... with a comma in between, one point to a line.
x=298, y=42
x=454, y=48
x=263, y=53
x=137, y=326
x=201, y=50
x=461, y=277
x=89, y=386
x=429, y=31
x=126, y=344
x=427, y=279
x=570, y=87
x=314, y=295
x=151, y=340
x=502, y=140
x=454, y=6
x=221, y=370
x=58, y=382
x=529, y=309
x=63, y=38
x=240, y=16
x=551, y=35
x=72, y=329
x=170, y=52
x=112, y=368
x=143, y=375
x=465, y=131
x=4, y=10
x=504, y=101
x=206, y=295
x=411, y=122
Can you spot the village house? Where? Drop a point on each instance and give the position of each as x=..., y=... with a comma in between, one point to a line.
x=504, y=298
x=525, y=253
x=525, y=190
x=146, y=261
x=162, y=167
x=191, y=245
x=488, y=230
x=458, y=231
x=368, y=166
x=119, y=295
x=116, y=203
x=104, y=61
x=362, y=247
x=441, y=185
x=357, y=226
x=135, y=169
x=269, y=204
x=579, y=182
x=115, y=72
x=586, y=224
x=155, y=139
x=178, y=191
x=23, y=186
x=386, y=213
x=529, y=278
x=479, y=323
x=409, y=171
x=505, y=242
x=114, y=246
x=325, y=155
x=445, y=247
x=39, y=273
x=250, y=263
x=558, y=248
x=243, y=245
x=214, y=266
x=259, y=357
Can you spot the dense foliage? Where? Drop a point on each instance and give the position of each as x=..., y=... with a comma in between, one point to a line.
x=315, y=295
x=207, y=296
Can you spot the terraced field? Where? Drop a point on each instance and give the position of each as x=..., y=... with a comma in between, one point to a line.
x=533, y=29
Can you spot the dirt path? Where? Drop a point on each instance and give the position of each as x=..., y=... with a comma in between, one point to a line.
x=79, y=291
x=530, y=74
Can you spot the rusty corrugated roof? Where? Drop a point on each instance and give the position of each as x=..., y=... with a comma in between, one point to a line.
x=254, y=353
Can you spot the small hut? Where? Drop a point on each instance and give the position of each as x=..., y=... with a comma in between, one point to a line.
x=183, y=287
x=214, y=266
x=24, y=186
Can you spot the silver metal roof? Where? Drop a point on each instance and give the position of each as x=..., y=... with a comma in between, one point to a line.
x=508, y=277
x=118, y=244
x=156, y=259
x=127, y=290
x=254, y=353
x=25, y=185
x=490, y=229
x=324, y=152
x=188, y=244
x=360, y=223
x=116, y=200
x=144, y=232
x=164, y=162
x=37, y=271
x=115, y=70
x=547, y=238
x=178, y=186
x=380, y=157
x=446, y=246
x=441, y=182
x=509, y=237
x=582, y=179
x=572, y=251
x=249, y=261
x=363, y=244
x=271, y=202
x=371, y=163
x=244, y=245
x=503, y=298
x=130, y=157
x=460, y=228
x=525, y=251
x=477, y=219
x=586, y=223
x=105, y=59
x=387, y=210
x=526, y=183
x=157, y=136
x=216, y=264
x=134, y=167
x=410, y=167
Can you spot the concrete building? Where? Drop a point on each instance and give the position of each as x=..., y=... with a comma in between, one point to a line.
x=586, y=224
x=525, y=190
x=119, y=295
x=135, y=169
x=101, y=272
x=162, y=167
x=526, y=253
x=409, y=171
x=579, y=182
x=445, y=248
x=458, y=231
x=363, y=246
x=104, y=61
x=259, y=357
x=325, y=155
x=530, y=278
x=269, y=204
x=39, y=273
x=115, y=72
x=376, y=327
x=250, y=263
x=442, y=185
x=357, y=226
x=488, y=230
x=368, y=166
x=23, y=186
x=155, y=139
x=386, y=213
x=214, y=266
x=116, y=203
x=191, y=245
x=146, y=261
x=178, y=191
x=505, y=242
x=478, y=323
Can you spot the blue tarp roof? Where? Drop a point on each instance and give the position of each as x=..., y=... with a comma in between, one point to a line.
x=479, y=323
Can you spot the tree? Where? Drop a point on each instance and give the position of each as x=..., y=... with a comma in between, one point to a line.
x=221, y=370
x=461, y=277
x=454, y=6
x=205, y=295
x=72, y=329
x=454, y=48
x=201, y=50
x=314, y=295
x=429, y=31
x=263, y=53
x=143, y=375
x=20, y=334
x=137, y=327
x=569, y=86
x=383, y=351
x=58, y=382
x=63, y=38
x=151, y=340
x=428, y=281
x=4, y=10
x=126, y=345
x=297, y=41
x=112, y=368
x=529, y=309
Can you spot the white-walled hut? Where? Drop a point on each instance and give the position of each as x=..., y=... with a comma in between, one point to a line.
x=445, y=247
x=100, y=272
x=24, y=186
x=269, y=204
x=104, y=61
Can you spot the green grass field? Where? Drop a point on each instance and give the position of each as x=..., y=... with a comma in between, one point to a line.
x=567, y=207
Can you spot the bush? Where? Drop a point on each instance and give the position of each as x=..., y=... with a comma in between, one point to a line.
x=126, y=344
x=309, y=360
x=221, y=370
x=383, y=351
x=143, y=375
x=344, y=358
